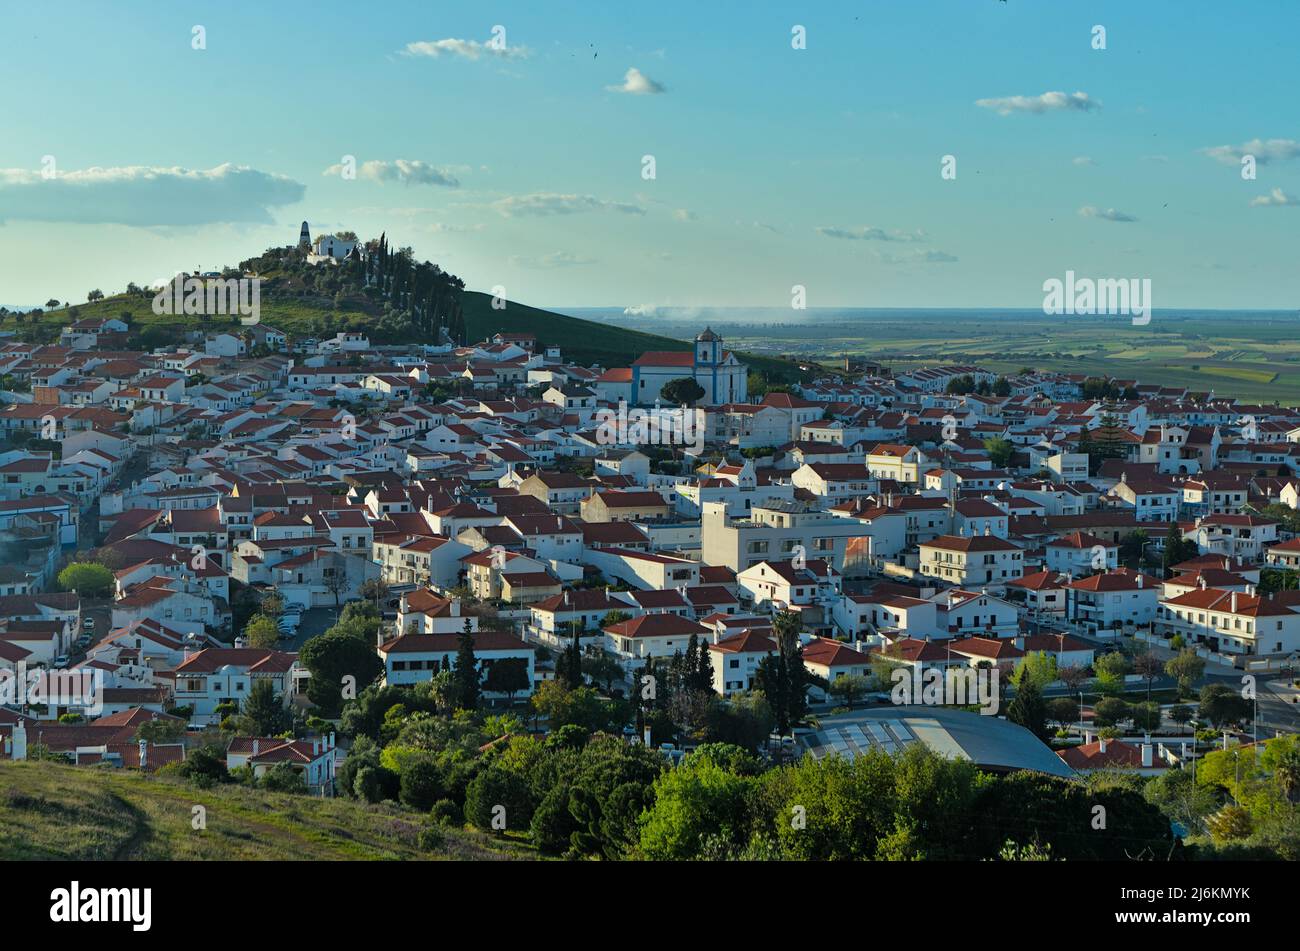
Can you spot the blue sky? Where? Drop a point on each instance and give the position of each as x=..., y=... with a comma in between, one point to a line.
x=774, y=166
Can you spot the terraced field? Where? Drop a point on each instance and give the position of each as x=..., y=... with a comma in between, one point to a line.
x=1253, y=356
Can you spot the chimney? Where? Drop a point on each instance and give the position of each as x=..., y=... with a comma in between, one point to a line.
x=257, y=746
x=1250, y=590
x=331, y=742
x=1088, y=736
x=315, y=748
x=1139, y=581
x=144, y=753
x=1200, y=582
x=1234, y=602
x=1102, y=744
x=1147, y=752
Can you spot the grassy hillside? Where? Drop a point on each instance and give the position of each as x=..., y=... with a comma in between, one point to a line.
x=581, y=340
x=587, y=341
x=51, y=811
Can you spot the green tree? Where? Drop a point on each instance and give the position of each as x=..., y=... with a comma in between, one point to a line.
x=1177, y=548
x=262, y=632
x=263, y=712
x=1028, y=709
x=1222, y=705
x=161, y=730
x=465, y=670
x=1000, y=451
x=1145, y=716
x=603, y=668
x=282, y=778
x=695, y=803
x=684, y=391
x=1110, y=711
x=89, y=579
x=1111, y=669
x=849, y=688
x=1063, y=710
x=509, y=675
x=1186, y=668
x=498, y=800
x=340, y=658
x=1037, y=668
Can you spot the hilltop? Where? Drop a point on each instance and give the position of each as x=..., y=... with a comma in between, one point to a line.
x=53, y=811
x=293, y=309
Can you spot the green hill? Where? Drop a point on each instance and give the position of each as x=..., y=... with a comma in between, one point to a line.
x=299, y=313
x=587, y=341
x=52, y=811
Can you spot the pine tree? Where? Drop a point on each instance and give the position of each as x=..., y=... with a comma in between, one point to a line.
x=466, y=671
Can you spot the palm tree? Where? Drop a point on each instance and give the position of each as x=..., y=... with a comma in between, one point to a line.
x=1288, y=774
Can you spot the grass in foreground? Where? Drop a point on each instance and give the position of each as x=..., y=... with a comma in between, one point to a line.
x=52, y=811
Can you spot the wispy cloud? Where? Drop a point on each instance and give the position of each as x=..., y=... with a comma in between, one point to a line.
x=1276, y=199
x=1106, y=214
x=406, y=171
x=549, y=203
x=684, y=214
x=1083, y=160
x=872, y=234
x=464, y=49
x=1047, y=102
x=917, y=256
x=147, y=196
x=637, y=83
x=1265, y=151
x=547, y=262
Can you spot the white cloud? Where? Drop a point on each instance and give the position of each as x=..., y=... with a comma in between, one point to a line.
x=406, y=171
x=1083, y=160
x=1276, y=198
x=637, y=83
x=147, y=196
x=1107, y=214
x=684, y=214
x=550, y=203
x=1047, y=102
x=917, y=256
x=546, y=262
x=872, y=234
x=464, y=49
x=1264, y=151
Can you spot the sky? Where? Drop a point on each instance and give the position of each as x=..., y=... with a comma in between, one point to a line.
x=508, y=142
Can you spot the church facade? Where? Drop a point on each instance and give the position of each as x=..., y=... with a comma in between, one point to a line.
x=723, y=377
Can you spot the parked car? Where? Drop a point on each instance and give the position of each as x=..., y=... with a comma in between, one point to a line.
x=61, y=661
x=294, y=607
x=87, y=623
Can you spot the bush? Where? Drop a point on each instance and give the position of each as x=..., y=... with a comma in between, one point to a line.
x=493, y=791
x=282, y=778
x=375, y=784
x=421, y=784
x=431, y=838
x=445, y=812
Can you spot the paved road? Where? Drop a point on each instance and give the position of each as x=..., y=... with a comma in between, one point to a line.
x=314, y=621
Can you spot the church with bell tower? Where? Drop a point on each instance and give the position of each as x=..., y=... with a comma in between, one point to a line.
x=723, y=377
